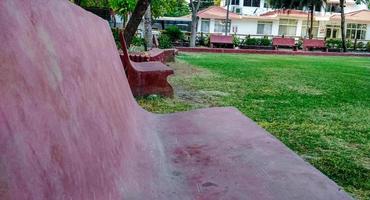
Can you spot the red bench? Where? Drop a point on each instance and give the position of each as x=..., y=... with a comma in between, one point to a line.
x=146, y=78
x=221, y=40
x=314, y=44
x=284, y=42
x=71, y=129
x=155, y=54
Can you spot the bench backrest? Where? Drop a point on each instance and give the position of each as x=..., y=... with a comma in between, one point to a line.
x=221, y=39
x=279, y=41
x=69, y=126
x=314, y=43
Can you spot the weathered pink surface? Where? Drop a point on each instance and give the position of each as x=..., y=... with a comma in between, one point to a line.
x=314, y=43
x=70, y=128
x=146, y=78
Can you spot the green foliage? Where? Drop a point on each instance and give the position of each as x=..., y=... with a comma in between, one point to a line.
x=217, y=2
x=300, y=43
x=250, y=41
x=368, y=46
x=164, y=41
x=123, y=7
x=257, y=41
x=180, y=8
x=161, y=7
x=138, y=41
x=204, y=3
x=174, y=33
x=334, y=43
x=158, y=7
x=236, y=40
x=95, y=3
x=202, y=39
x=349, y=44
x=360, y=45
x=265, y=41
x=115, y=32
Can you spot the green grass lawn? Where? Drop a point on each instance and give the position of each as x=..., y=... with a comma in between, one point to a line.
x=318, y=106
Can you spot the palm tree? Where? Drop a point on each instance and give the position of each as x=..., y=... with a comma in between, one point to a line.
x=312, y=4
x=343, y=24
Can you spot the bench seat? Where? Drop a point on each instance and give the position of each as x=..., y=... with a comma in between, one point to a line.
x=221, y=40
x=314, y=44
x=284, y=42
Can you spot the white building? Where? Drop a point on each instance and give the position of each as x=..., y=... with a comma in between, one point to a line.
x=253, y=17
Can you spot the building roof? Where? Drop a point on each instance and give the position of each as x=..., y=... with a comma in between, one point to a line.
x=286, y=13
x=216, y=12
x=358, y=16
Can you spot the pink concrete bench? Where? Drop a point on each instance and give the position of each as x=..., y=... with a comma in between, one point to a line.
x=71, y=129
x=314, y=44
x=146, y=78
x=284, y=42
x=221, y=40
x=155, y=54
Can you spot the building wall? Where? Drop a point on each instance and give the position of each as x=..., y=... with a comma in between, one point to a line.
x=248, y=27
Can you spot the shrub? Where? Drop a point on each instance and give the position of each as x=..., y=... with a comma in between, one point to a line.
x=265, y=41
x=251, y=41
x=300, y=43
x=115, y=32
x=333, y=43
x=164, y=41
x=206, y=40
x=360, y=45
x=201, y=39
x=174, y=33
x=137, y=41
x=349, y=44
x=236, y=41
x=368, y=46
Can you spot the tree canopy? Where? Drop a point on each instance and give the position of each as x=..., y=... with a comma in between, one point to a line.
x=180, y=8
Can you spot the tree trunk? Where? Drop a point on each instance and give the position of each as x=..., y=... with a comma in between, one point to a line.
x=135, y=19
x=194, y=21
x=342, y=25
x=227, y=17
x=310, y=35
x=148, y=35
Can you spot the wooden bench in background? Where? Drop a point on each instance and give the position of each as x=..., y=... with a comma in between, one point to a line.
x=314, y=44
x=155, y=54
x=284, y=42
x=221, y=41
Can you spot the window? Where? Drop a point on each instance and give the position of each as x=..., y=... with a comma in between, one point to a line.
x=220, y=26
x=356, y=31
x=205, y=26
x=234, y=2
x=264, y=28
x=306, y=24
x=252, y=3
x=288, y=27
x=332, y=31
